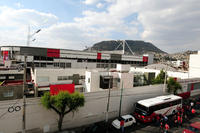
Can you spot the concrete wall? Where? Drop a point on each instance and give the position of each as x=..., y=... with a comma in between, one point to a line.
x=11, y=92
x=94, y=110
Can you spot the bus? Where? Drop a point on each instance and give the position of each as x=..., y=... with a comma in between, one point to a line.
x=146, y=110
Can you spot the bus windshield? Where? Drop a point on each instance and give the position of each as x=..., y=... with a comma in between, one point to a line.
x=141, y=107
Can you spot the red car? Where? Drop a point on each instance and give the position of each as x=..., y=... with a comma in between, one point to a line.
x=193, y=128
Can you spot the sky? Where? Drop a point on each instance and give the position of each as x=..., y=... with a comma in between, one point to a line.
x=171, y=25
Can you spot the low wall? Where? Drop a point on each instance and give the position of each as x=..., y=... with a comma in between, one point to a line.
x=94, y=109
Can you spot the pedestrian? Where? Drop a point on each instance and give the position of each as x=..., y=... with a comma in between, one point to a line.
x=179, y=119
x=161, y=127
x=166, y=128
x=157, y=120
x=122, y=126
x=175, y=120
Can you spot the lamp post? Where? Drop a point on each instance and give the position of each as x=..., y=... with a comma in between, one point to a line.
x=24, y=81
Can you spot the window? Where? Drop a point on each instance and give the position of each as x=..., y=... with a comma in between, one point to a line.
x=8, y=93
x=43, y=64
x=82, y=77
x=65, y=78
x=62, y=65
x=11, y=77
x=88, y=80
x=56, y=65
x=2, y=77
x=68, y=65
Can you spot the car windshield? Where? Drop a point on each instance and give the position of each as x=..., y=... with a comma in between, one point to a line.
x=120, y=119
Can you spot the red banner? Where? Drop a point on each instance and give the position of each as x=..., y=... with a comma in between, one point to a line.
x=55, y=89
x=145, y=59
x=192, y=86
x=5, y=55
x=99, y=56
x=53, y=52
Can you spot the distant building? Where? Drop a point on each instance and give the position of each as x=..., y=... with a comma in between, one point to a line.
x=63, y=58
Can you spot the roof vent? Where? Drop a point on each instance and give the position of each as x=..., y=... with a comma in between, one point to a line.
x=167, y=98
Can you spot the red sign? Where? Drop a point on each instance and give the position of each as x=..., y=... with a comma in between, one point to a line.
x=55, y=89
x=99, y=56
x=53, y=52
x=5, y=55
x=145, y=59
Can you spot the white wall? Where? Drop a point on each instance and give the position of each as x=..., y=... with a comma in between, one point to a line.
x=127, y=79
x=52, y=75
x=94, y=109
x=194, y=66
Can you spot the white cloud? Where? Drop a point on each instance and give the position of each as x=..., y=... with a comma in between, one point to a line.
x=99, y=5
x=19, y=5
x=169, y=24
x=90, y=2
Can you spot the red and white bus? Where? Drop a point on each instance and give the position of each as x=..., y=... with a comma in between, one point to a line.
x=146, y=110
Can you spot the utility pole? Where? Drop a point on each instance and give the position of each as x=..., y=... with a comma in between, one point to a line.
x=120, y=105
x=24, y=99
x=165, y=80
x=108, y=103
x=24, y=81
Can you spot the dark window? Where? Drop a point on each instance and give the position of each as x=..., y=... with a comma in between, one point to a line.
x=141, y=107
x=68, y=65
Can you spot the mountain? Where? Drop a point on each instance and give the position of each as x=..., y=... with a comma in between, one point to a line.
x=138, y=47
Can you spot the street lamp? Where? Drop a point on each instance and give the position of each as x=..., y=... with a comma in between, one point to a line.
x=30, y=36
x=24, y=81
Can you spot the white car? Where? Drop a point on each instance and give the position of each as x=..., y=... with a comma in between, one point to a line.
x=128, y=121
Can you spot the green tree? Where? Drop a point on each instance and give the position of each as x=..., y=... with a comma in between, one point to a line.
x=160, y=78
x=173, y=86
x=63, y=103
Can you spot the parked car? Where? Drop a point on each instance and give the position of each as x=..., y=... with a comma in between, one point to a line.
x=128, y=121
x=193, y=128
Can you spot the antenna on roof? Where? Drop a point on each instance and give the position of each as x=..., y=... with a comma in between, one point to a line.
x=123, y=43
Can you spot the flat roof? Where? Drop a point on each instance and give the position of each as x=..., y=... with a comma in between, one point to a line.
x=157, y=100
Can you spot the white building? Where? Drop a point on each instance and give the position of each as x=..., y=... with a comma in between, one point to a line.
x=116, y=79
x=194, y=65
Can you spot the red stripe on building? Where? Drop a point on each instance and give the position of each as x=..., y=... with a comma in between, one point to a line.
x=5, y=56
x=99, y=56
x=53, y=52
x=55, y=89
x=145, y=59
x=192, y=86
